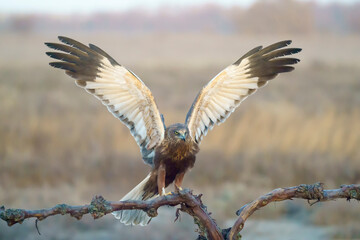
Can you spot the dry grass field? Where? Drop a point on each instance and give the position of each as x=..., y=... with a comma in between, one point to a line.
x=59, y=144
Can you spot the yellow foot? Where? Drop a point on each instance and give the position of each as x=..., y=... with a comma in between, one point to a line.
x=164, y=193
x=178, y=189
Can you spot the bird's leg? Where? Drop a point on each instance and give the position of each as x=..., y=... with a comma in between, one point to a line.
x=178, y=181
x=161, y=180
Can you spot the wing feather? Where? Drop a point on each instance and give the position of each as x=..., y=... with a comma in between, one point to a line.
x=120, y=90
x=219, y=98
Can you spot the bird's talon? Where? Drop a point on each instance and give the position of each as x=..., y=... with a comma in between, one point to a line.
x=178, y=189
x=163, y=193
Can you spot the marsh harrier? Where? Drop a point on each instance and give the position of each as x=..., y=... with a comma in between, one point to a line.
x=169, y=150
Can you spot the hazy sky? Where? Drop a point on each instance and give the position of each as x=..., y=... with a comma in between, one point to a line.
x=89, y=6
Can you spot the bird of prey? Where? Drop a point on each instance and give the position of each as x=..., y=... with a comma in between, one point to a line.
x=169, y=150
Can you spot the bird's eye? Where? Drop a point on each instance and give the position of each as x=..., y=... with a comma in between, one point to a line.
x=176, y=133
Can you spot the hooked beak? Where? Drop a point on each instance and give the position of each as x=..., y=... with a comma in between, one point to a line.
x=183, y=136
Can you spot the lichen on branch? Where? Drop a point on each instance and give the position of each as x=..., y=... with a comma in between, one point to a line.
x=191, y=204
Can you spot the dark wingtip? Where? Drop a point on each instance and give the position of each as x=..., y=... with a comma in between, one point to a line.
x=296, y=50
x=52, y=64
x=285, y=69
x=63, y=57
x=49, y=54
x=287, y=42
x=63, y=65
x=64, y=39
x=55, y=64
x=52, y=45
x=283, y=43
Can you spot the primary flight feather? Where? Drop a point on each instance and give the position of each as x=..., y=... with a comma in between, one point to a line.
x=169, y=150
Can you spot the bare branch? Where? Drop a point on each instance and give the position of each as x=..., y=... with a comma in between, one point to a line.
x=189, y=203
x=99, y=207
x=309, y=192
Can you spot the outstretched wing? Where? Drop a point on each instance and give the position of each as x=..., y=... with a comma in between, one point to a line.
x=120, y=90
x=219, y=98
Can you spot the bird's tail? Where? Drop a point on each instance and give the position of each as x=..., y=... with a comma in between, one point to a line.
x=135, y=217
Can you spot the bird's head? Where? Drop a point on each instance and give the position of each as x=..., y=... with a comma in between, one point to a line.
x=178, y=132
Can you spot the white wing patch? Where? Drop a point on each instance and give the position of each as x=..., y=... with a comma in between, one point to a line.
x=228, y=90
x=125, y=99
x=121, y=91
x=224, y=93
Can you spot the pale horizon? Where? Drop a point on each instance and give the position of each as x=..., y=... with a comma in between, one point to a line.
x=95, y=6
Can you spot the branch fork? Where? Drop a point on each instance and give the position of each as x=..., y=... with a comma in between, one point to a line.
x=191, y=204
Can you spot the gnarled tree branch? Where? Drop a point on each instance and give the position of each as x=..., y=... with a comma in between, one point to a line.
x=190, y=204
x=309, y=192
x=99, y=207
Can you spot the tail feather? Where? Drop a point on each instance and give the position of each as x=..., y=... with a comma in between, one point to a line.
x=134, y=217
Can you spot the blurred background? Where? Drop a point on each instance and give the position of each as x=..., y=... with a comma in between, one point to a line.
x=58, y=144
